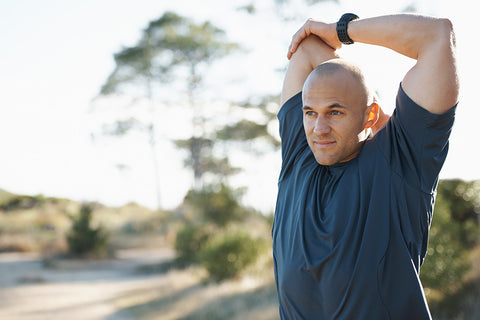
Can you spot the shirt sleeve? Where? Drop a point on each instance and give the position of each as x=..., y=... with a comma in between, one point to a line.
x=416, y=142
x=292, y=134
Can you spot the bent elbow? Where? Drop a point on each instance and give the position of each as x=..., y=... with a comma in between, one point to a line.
x=446, y=32
x=439, y=40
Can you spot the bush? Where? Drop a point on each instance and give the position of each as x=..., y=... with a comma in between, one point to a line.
x=83, y=239
x=189, y=242
x=227, y=254
x=215, y=204
x=447, y=259
x=453, y=232
x=22, y=202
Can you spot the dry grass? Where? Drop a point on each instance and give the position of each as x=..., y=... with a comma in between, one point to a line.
x=176, y=294
x=43, y=228
x=180, y=294
x=184, y=295
x=188, y=294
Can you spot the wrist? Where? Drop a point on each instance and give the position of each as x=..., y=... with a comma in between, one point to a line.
x=342, y=28
x=329, y=36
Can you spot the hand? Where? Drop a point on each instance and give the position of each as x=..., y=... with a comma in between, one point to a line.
x=325, y=31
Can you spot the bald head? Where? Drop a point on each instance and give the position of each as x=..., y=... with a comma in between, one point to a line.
x=342, y=70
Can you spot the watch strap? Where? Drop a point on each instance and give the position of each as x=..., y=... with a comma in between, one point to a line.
x=342, y=26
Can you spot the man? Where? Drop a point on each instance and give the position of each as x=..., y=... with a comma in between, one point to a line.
x=354, y=209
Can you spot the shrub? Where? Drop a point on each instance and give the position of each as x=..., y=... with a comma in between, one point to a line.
x=215, y=204
x=454, y=230
x=85, y=240
x=22, y=202
x=227, y=254
x=189, y=242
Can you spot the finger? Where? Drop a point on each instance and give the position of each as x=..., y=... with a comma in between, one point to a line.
x=296, y=40
x=291, y=51
x=290, y=48
x=298, y=37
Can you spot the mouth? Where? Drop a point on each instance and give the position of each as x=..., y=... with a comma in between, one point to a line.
x=323, y=143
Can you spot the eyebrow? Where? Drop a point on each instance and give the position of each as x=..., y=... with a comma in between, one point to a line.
x=332, y=106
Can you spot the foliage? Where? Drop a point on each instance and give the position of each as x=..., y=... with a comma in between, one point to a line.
x=205, y=162
x=245, y=129
x=174, y=47
x=463, y=202
x=210, y=235
x=171, y=47
x=210, y=209
x=33, y=223
x=215, y=204
x=22, y=202
x=191, y=46
x=43, y=228
x=189, y=241
x=454, y=230
x=227, y=254
x=447, y=260
x=167, y=42
x=462, y=304
x=190, y=43
x=84, y=239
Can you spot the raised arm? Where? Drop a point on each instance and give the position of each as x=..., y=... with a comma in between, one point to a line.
x=311, y=52
x=432, y=82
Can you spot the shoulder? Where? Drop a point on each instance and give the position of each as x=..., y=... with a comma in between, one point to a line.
x=415, y=117
x=414, y=142
x=293, y=103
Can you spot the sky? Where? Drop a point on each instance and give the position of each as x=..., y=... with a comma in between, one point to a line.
x=56, y=55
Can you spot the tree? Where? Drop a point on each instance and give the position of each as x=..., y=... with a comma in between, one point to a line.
x=240, y=132
x=84, y=239
x=245, y=130
x=169, y=47
x=454, y=231
x=194, y=46
x=463, y=203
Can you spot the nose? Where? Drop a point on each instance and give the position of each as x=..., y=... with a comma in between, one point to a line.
x=321, y=126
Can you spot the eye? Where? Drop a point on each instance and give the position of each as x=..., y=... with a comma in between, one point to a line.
x=310, y=113
x=336, y=112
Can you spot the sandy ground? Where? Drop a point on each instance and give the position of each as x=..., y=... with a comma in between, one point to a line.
x=73, y=289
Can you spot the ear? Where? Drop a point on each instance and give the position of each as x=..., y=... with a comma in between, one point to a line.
x=373, y=114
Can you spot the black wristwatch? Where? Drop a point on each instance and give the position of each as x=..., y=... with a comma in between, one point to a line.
x=342, y=25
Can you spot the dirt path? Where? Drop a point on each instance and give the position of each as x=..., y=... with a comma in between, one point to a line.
x=72, y=289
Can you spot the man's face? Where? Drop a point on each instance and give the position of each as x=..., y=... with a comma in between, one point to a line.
x=334, y=116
